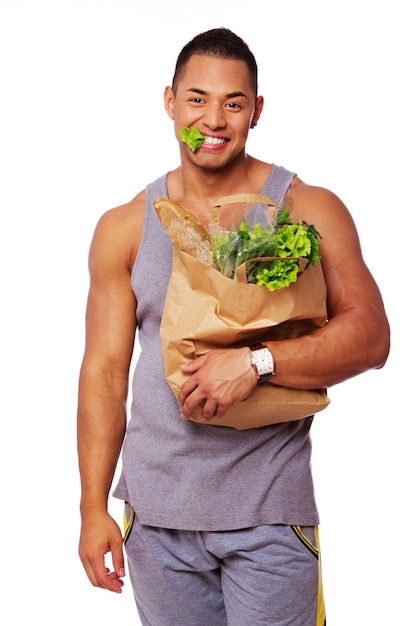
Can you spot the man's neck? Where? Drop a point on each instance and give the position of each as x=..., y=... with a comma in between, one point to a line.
x=197, y=189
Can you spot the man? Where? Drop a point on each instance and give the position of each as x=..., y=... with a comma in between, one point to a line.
x=221, y=524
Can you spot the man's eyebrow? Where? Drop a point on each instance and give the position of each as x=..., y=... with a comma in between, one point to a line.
x=196, y=90
x=234, y=94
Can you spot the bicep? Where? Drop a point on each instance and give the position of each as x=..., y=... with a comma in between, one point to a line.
x=354, y=299
x=111, y=305
x=350, y=284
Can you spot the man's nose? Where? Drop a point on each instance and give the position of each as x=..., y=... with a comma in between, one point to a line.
x=214, y=117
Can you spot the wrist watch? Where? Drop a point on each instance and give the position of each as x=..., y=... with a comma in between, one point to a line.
x=263, y=362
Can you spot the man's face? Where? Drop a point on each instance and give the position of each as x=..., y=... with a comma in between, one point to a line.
x=216, y=96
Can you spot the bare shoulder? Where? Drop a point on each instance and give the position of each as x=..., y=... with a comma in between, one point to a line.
x=323, y=208
x=118, y=231
x=315, y=201
x=350, y=284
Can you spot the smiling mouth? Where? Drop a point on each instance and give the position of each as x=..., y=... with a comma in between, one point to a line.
x=214, y=141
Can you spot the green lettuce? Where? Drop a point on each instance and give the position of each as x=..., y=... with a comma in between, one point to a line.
x=192, y=137
x=288, y=241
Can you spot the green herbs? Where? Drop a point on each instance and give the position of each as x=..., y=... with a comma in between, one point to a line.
x=193, y=138
x=284, y=241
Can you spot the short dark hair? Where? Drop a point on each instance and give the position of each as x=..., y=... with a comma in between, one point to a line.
x=221, y=43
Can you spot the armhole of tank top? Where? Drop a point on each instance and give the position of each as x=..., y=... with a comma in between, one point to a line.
x=151, y=190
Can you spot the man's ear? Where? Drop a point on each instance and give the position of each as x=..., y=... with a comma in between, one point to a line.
x=259, y=105
x=169, y=101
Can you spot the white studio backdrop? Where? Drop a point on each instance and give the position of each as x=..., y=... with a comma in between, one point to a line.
x=83, y=129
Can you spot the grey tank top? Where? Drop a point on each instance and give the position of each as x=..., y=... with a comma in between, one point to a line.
x=182, y=475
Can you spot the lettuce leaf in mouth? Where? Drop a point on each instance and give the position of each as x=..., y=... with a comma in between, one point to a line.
x=192, y=137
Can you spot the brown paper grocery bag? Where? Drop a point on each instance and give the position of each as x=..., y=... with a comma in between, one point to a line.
x=205, y=310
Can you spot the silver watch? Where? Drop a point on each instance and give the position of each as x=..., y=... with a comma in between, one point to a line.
x=263, y=362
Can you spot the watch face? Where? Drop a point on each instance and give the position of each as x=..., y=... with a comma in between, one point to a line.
x=263, y=361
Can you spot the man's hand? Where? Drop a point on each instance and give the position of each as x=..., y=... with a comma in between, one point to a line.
x=217, y=380
x=99, y=535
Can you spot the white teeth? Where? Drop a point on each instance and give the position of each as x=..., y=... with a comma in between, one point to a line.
x=214, y=141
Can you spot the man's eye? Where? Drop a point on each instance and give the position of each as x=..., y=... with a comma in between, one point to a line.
x=233, y=105
x=198, y=100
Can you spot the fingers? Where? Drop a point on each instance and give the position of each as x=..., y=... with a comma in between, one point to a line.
x=210, y=410
x=118, y=561
x=185, y=400
x=194, y=394
x=101, y=576
x=101, y=536
x=114, y=582
x=217, y=380
x=197, y=390
x=199, y=396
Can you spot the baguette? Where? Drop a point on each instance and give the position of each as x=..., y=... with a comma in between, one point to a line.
x=186, y=232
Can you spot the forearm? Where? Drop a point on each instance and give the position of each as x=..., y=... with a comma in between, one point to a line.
x=101, y=423
x=347, y=346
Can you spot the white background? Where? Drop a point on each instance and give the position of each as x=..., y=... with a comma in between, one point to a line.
x=83, y=129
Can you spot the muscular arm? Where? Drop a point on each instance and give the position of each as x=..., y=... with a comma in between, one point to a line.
x=103, y=388
x=355, y=339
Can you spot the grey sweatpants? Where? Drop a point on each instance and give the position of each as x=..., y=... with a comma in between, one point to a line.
x=262, y=576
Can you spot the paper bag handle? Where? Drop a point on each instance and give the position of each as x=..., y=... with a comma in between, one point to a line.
x=239, y=197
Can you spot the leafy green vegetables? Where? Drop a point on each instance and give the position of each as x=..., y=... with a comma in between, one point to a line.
x=284, y=241
x=193, y=138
